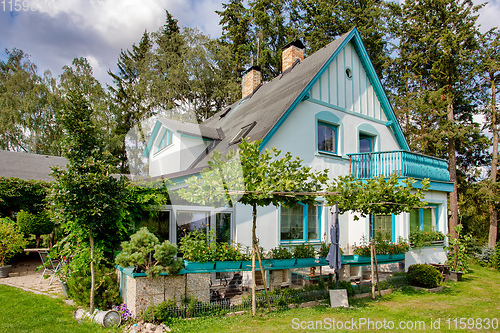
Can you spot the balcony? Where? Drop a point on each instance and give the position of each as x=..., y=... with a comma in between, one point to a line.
x=403, y=163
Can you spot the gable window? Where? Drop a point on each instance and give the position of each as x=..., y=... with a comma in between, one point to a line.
x=424, y=219
x=365, y=143
x=327, y=138
x=299, y=223
x=166, y=139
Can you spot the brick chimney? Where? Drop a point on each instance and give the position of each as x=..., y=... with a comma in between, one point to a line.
x=291, y=52
x=251, y=79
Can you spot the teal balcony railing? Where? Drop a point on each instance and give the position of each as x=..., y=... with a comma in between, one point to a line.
x=403, y=163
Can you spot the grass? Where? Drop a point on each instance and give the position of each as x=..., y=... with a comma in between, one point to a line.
x=23, y=311
x=478, y=296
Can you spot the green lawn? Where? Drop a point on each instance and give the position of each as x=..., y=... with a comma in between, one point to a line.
x=476, y=298
x=23, y=311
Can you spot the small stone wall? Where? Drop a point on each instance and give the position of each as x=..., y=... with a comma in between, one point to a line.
x=141, y=292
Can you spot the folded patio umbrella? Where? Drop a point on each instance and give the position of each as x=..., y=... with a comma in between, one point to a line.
x=333, y=257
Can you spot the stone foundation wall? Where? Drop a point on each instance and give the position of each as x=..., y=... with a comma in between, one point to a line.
x=142, y=292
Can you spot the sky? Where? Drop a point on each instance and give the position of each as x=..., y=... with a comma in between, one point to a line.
x=54, y=32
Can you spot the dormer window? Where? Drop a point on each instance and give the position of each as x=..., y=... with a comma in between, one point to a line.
x=243, y=132
x=166, y=139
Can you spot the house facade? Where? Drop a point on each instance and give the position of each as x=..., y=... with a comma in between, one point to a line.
x=328, y=109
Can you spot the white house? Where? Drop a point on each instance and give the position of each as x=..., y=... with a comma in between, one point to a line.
x=330, y=110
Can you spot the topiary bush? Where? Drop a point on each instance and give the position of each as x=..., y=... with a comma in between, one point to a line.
x=35, y=224
x=423, y=275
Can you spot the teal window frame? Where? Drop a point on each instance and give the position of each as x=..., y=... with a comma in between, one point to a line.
x=334, y=129
x=305, y=218
x=434, y=207
x=393, y=227
x=166, y=140
x=371, y=138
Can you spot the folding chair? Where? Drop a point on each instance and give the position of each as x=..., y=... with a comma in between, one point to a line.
x=49, y=265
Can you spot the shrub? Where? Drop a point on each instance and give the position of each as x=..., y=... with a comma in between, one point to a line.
x=280, y=252
x=419, y=238
x=161, y=313
x=11, y=240
x=343, y=285
x=196, y=247
x=304, y=251
x=78, y=280
x=423, y=275
x=226, y=252
x=34, y=224
x=485, y=256
x=142, y=248
x=495, y=260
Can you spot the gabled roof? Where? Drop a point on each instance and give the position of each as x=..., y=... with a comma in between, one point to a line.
x=28, y=166
x=271, y=103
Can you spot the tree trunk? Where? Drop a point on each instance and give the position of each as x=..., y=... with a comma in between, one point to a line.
x=92, y=273
x=453, y=222
x=492, y=239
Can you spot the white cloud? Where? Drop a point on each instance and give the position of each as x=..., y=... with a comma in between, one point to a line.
x=489, y=15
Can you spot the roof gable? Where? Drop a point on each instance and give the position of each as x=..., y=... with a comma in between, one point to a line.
x=354, y=37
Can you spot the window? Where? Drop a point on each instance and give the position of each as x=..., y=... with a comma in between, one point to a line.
x=423, y=219
x=223, y=227
x=327, y=138
x=166, y=139
x=365, y=143
x=348, y=73
x=190, y=221
x=299, y=223
x=382, y=225
x=243, y=132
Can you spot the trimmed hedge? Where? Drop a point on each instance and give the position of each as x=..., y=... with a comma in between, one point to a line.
x=423, y=275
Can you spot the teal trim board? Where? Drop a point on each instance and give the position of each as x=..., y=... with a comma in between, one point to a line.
x=151, y=140
x=355, y=37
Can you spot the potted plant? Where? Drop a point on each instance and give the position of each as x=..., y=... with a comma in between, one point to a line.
x=11, y=242
x=198, y=253
x=305, y=255
x=420, y=238
x=458, y=259
x=228, y=257
x=146, y=254
x=398, y=250
x=282, y=257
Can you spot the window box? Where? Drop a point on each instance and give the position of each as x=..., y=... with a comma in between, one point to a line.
x=228, y=265
x=284, y=263
x=307, y=262
x=247, y=265
x=198, y=266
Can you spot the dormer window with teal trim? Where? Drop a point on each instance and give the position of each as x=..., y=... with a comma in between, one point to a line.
x=327, y=138
x=166, y=140
x=300, y=223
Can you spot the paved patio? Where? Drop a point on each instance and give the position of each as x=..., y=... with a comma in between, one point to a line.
x=24, y=275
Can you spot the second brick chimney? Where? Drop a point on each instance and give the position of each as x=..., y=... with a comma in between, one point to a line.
x=291, y=52
x=251, y=79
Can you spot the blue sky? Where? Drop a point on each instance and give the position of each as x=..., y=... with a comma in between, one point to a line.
x=57, y=31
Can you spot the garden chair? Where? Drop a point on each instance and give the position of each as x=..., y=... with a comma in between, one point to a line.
x=49, y=265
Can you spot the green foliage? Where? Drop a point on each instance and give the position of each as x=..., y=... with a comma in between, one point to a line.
x=160, y=313
x=195, y=246
x=228, y=252
x=420, y=238
x=280, y=252
x=458, y=258
x=343, y=285
x=304, y=251
x=18, y=194
x=324, y=249
x=376, y=196
x=34, y=224
x=485, y=256
x=495, y=260
x=11, y=240
x=423, y=275
x=382, y=246
x=142, y=248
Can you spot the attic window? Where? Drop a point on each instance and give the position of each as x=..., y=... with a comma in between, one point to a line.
x=242, y=132
x=348, y=73
x=166, y=140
